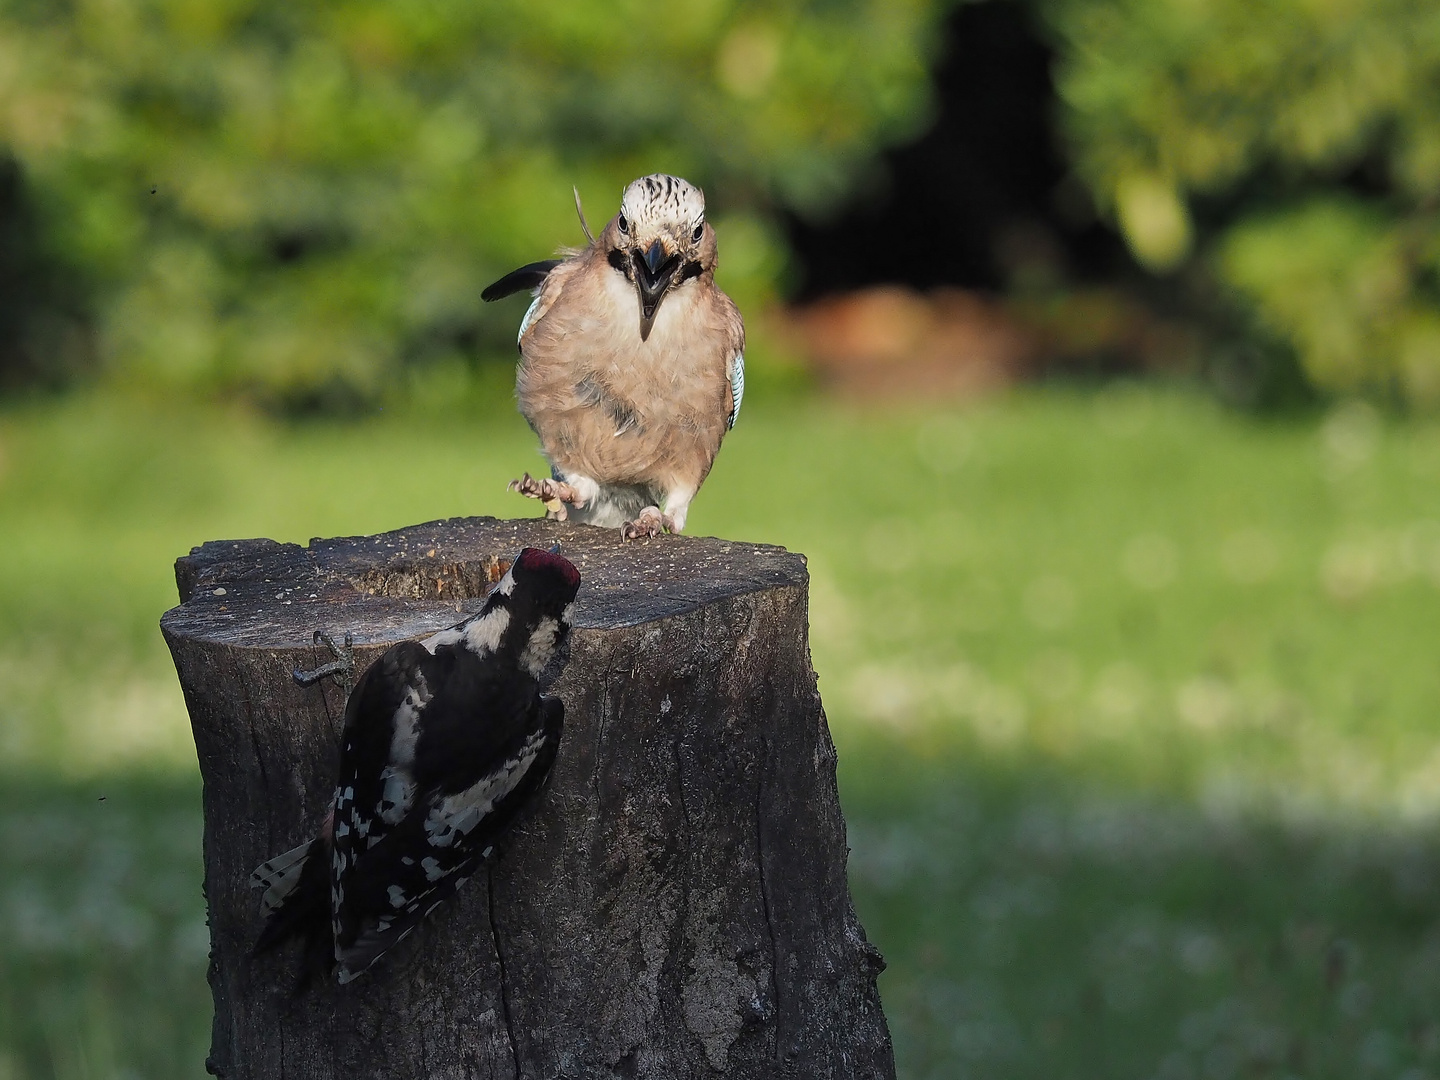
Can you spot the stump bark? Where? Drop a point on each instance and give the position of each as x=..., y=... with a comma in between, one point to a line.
x=674, y=904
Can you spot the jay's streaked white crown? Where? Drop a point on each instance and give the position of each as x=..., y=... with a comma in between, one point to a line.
x=657, y=203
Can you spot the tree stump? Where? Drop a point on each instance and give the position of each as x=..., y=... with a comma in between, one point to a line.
x=674, y=904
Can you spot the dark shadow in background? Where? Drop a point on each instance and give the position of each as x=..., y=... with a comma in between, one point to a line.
x=985, y=198
x=45, y=337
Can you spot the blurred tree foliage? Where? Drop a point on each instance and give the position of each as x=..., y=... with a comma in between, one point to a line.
x=291, y=197
x=1289, y=147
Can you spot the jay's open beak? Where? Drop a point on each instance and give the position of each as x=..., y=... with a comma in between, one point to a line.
x=654, y=272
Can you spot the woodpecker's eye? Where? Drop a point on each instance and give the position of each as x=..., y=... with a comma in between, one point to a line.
x=624, y=225
x=699, y=232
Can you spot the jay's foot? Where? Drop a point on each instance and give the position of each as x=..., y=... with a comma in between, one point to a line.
x=553, y=493
x=649, y=522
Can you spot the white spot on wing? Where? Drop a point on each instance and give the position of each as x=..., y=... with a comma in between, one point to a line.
x=405, y=729
x=396, y=795
x=444, y=637
x=480, y=632
x=456, y=815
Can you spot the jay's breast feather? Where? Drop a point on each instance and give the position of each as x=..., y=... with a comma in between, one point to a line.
x=616, y=408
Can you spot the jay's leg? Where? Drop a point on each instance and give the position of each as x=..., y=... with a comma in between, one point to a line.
x=556, y=493
x=677, y=507
x=651, y=522
x=544, y=489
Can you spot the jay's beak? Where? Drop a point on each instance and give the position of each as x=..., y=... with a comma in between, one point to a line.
x=653, y=274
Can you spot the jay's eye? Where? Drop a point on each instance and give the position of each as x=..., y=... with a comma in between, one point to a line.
x=624, y=225
x=699, y=232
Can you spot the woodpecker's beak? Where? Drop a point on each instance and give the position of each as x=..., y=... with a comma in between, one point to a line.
x=653, y=273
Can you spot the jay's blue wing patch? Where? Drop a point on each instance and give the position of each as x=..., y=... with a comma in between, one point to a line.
x=525, y=322
x=737, y=388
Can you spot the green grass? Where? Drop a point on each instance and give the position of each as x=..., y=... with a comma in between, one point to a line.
x=1137, y=700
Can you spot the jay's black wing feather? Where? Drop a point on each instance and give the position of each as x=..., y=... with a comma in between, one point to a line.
x=531, y=276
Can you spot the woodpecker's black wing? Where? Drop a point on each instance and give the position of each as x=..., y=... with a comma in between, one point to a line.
x=530, y=276
x=450, y=830
x=377, y=752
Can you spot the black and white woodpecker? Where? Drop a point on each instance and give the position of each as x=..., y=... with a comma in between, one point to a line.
x=445, y=739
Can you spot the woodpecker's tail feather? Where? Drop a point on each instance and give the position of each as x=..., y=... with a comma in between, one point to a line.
x=279, y=876
x=296, y=903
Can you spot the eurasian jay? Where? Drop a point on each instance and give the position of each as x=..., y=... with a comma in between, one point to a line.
x=632, y=364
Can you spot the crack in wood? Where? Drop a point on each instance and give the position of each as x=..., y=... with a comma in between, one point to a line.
x=765, y=894
x=500, y=962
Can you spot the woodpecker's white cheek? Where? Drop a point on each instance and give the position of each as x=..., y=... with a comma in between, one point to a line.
x=540, y=647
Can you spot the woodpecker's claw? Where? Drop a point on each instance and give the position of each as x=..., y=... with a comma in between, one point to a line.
x=649, y=522
x=342, y=668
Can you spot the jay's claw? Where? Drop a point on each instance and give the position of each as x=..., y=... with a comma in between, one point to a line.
x=553, y=493
x=649, y=522
x=546, y=489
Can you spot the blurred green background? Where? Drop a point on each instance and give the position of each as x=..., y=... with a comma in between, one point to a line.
x=1130, y=662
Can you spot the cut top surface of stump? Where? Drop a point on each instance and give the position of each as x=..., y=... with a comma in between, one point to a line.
x=420, y=579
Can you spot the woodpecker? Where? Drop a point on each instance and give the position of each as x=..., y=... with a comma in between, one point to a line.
x=632, y=363
x=444, y=741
